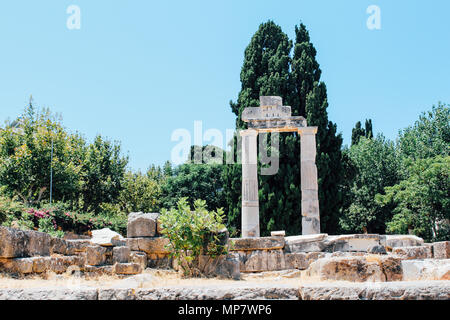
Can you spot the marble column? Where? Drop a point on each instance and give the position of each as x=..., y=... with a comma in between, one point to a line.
x=309, y=186
x=250, y=204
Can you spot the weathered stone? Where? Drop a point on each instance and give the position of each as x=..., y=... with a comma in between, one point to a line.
x=416, y=252
x=352, y=242
x=59, y=264
x=41, y=264
x=98, y=270
x=261, y=243
x=347, y=269
x=427, y=269
x=441, y=250
x=402, y=240
x=121, y=254
x=140, y=258
x=77, y=246
x=159, y=261
x=38, y=244
x=305, y=243
x=142, y=224
x=136, y=281
x=157, y=245
x=377, y=249
x=58, y=246
x=95, y=255
x=17, y=265
x=12, y=243
x=127, y=268
x=417, y=290
x=105, y=237
x=40, y=294
x=296, y=261
x=278, y=233
x=222, y=266
x=261, y=260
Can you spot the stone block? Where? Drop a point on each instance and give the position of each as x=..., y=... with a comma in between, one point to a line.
x=60, y=264
x=227, y=267
x=281, y=233
x=142, y=224
x=156, y=245
x=41, y=264
x=95, y=255
x=402, y=240
x=305, y=243
x=121, y=255
x=352, y=242
x=12, y=243
x=19, y=266
x=356, y=269
x=127, y=268
x=296, y=261
x=441, y=250
x=140, y=258
x=38, y=244
x=159, y=261
x=77, y=246
x=427, y=269
x=414, y=252
x=105, y=237
x=259, y=243
x=58, y=246
x=261, y=260
x=98, y=270
x=377, y=249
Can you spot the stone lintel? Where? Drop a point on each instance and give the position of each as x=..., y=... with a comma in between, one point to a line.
x=307, y=130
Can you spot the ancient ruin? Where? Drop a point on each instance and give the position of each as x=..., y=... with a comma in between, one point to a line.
x=272, y=116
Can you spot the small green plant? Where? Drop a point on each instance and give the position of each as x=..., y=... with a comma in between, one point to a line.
x=194, y=233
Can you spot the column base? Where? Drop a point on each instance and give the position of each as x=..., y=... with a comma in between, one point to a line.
x=310, y=225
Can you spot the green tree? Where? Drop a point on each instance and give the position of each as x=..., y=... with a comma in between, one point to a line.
x=25, y=158
x=422, y=201
x=429, y=136
x=358, y=131
x=376, y=165
x=103, y=174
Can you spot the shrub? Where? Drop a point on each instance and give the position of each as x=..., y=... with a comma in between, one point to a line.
x=193, y=233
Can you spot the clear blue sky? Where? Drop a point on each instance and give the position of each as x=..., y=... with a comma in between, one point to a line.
x=137, y=70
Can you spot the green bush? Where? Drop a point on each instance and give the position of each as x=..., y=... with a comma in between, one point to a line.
x=193, y=233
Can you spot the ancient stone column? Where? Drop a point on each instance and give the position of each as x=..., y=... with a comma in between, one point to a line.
x=250, y=204
x=309, y=186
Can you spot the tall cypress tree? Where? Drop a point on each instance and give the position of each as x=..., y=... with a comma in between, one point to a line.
x=268, y=69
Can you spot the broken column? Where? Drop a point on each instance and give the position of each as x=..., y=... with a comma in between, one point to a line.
x=309, y=186
x=250, y=204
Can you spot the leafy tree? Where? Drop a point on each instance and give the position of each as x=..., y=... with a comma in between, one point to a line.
x=103, y=174
x=422, y=201
x=140, y=192
x=429, y=136
x=358, y=132
x=193, y=233
x=25, y=158
x=376, y=166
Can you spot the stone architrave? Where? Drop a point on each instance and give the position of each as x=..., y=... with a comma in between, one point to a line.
x=250, y=203
x=272, y=116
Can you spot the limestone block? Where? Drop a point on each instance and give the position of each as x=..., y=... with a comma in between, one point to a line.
x=296, y=261
x=121, y=255
x=281, y=233
x=415, y=252
x=305, y=243
x=159, y=261
x=95, y=255
x=127, y=268
x=353, y=242
x=60, y=264
x=356, y=269
x=98, y=270
x=441, y=250
x=142, y=224
x=140, y=258
x=77, y=246
x=157, y=245
x=105, y=237
x=427, y=269
x=17, y=265
x=223, y=266
x=12, y=243
x=58, y=246
x=377, y=249
x=258, y=243
x=38, y=244
x=403, y=240
x=261, y=260
x=310, y=224
x=41, y=264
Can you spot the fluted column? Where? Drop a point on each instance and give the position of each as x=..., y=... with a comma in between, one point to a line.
x=309, y=186
x=250, y=204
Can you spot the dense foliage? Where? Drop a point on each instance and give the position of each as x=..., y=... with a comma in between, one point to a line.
x=193, y=233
